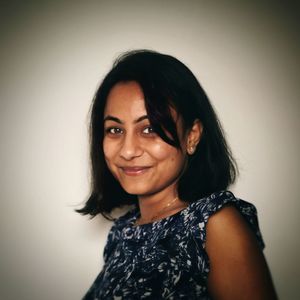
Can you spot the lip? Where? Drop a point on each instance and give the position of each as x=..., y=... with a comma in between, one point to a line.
x=134, y=171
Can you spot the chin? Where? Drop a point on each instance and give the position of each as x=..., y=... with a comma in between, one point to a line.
x=136, y=190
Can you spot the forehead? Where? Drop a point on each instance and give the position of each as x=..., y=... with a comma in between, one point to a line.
x=125, y=98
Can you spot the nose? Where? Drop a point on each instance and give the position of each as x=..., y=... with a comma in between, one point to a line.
x=130, y=147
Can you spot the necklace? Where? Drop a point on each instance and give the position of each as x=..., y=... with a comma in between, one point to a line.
x=141, y=220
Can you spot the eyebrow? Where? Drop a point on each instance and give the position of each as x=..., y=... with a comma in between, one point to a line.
x=115, y=119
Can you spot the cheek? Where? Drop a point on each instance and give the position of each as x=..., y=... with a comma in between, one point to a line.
x=160, y=151
x=165, y=152
x=108, y=149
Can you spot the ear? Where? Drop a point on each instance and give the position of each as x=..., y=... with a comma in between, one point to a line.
x=194, y=136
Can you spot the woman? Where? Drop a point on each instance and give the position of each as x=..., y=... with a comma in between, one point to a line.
x=156, y=143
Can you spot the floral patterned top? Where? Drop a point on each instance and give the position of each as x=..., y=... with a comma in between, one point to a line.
x=165, y=259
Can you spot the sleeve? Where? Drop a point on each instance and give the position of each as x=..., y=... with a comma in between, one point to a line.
x=206, y=207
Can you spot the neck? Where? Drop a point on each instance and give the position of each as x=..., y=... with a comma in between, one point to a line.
x=158, y=205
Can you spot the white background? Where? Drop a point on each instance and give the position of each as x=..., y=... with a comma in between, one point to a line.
x=53, y=57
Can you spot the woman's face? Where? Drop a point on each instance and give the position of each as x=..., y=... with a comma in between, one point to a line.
x=137, y=157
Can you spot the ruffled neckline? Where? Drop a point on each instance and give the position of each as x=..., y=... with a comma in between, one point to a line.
x=135, y=213
x=133, y=232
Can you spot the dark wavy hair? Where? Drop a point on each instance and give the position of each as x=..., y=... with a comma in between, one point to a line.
x=166, y=82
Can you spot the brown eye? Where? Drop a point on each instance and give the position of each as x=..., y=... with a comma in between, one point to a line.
x=148, y=130
x=114, y=130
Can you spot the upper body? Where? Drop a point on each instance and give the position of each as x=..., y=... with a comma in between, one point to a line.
x=156, y=142
x=171, y=259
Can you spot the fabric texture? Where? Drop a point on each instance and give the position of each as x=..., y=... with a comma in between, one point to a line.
x=165, y=259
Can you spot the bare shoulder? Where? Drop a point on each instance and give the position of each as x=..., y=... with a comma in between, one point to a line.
x=228, y=224
x=238, y=269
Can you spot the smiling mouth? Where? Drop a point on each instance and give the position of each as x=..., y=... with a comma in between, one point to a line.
x=134, y=171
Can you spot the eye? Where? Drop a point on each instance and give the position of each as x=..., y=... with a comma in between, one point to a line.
x=113, y=130
x=148, y=130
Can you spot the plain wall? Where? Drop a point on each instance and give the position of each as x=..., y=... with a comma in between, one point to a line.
x=54, y=55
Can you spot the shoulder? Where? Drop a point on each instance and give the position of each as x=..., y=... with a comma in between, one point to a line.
x=123, y=219
x=237, y=264
x=222, y=207
x=230, y=225
x=114, y=234
x=214, y=202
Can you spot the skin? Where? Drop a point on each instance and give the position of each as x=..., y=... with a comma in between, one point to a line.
x=138, y=158
x=148, y=167
x=238, y=269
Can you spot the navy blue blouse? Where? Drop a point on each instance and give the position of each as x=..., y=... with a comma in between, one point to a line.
x=165, y=259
